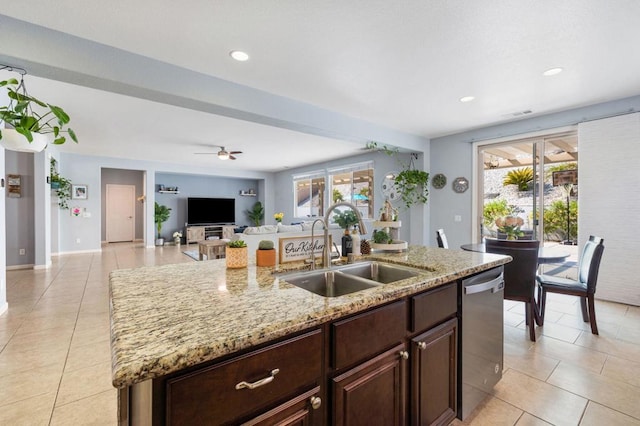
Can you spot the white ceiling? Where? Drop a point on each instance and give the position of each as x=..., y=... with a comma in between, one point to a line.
x=403, y=65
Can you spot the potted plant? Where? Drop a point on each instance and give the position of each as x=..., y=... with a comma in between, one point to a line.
x=59, y=184
x=266, y=253
x=346, y=219
x=236, y=254
x=256, y=214
x=412, y=184
x=27, y=118
x=177, y=237
x=161, y=215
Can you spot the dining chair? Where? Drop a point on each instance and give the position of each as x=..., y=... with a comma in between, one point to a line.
x=584, y=287
x=442, y=239
x=520, y=275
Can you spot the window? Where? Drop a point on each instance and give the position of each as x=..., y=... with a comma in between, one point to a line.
x=354, y=184
x=309, y=194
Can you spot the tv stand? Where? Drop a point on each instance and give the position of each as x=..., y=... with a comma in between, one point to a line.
x=197, y=233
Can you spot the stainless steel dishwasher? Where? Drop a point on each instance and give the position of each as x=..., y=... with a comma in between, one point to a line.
x=481, y=337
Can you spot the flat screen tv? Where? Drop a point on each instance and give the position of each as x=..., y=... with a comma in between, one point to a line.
x=211, y=211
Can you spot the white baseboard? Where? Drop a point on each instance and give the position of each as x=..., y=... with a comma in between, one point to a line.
x=24, y=266
x=45, y=266
x=65, y=253
x=4, y=308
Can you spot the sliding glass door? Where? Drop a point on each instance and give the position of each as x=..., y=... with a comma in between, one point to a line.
x=533, y=182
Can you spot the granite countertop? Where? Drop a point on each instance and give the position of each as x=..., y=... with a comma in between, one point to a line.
x=166, y=318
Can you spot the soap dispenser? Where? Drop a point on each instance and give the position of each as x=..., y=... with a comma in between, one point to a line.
x=355, y=241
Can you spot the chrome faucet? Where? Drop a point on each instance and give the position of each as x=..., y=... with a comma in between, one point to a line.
x=313, y=246
x=326, y=254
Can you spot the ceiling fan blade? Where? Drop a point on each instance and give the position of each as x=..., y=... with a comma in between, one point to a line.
x=206, y=153
x=231, y=157
x=235, y=152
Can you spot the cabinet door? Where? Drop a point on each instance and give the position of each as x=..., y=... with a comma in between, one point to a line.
x=433, y=375
x=195, y=234
x=373, y=392
x=305, y=410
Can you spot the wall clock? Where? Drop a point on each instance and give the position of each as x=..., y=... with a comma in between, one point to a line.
x=460, y=184
x=389, y=189
x=439, y=181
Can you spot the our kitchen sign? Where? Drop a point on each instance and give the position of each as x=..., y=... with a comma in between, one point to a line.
x=299, y=248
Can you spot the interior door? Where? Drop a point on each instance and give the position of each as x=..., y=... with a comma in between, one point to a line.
x=121, y=212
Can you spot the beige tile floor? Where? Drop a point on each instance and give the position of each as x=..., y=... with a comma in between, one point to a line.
x=55, y=360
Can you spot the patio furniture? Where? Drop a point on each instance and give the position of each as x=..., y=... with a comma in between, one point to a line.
x=584, y=287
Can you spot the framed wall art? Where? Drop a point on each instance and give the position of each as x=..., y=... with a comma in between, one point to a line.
x=79, y=192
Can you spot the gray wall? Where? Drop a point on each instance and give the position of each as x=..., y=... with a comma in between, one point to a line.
x=20, y=211
x=203, y=186
x=452, y=155
x=123, y=177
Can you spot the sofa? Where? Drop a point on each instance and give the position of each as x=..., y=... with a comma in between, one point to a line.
x=252, y=235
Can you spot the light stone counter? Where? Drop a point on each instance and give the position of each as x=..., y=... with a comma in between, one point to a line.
x=167, y=318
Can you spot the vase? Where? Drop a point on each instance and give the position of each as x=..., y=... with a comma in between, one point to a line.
x=266, y=257
x=176, y=241
x=511, y=237
x=236, y=257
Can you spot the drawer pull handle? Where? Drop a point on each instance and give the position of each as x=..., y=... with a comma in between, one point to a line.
x=404, y=354
x=422, y=346
x=261, y=382
x=316, y=402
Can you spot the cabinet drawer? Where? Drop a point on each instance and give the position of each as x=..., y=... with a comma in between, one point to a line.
x=359, y=337
x=210, y=395
x=433, y=307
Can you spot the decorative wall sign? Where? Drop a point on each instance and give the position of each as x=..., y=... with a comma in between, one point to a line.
x=460, y=185
x=293, y=249
x=439, y=181
x=14, y=188
x=79, y=192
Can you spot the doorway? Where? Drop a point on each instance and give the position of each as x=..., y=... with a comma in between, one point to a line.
x=533, y=179
x=121, y=212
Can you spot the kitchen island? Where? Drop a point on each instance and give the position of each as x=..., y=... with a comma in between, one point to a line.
x=172, y=320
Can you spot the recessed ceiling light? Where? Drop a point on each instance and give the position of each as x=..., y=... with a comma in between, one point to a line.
x=552, y=71
x=239, y=55
x=467, y=98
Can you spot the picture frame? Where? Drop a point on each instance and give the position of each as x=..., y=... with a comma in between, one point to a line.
x=79, y=192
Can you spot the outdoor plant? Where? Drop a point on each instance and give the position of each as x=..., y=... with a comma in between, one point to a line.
x=28, y=115
x=345, y=219
x=555, y=219
x=521, y=177
x=161, y=215
x=237, y=244
x=494, y=209
x=256, y=214
x=510, y=225
x=337, y=196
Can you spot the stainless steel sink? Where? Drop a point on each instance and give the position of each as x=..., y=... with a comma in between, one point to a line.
x=328, y=283
x=348, y=279
x=380, y=272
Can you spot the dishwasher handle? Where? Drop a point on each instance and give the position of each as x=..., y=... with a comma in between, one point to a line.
x=495, y=285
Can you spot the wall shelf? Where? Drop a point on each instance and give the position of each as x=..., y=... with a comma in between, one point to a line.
x=249, y=193
x=168, y=192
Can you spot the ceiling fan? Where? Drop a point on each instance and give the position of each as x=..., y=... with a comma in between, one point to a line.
x=223, y=154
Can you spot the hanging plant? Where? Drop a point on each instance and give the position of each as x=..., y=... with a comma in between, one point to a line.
x=413, y=187
x=60, y=185
x=28, y=115
x=411, y=184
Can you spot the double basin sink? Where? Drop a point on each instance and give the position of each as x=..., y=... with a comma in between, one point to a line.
x=342, y=280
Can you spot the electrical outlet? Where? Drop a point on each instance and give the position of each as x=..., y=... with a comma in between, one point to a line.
x=457, y=218
x=22, y=252
x=77, y=240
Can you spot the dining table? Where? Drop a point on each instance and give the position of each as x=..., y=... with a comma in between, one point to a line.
x=545, y=254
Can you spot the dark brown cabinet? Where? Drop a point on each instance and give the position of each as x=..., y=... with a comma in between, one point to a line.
x=228, y=392
x=373, y=392
x=394, y=364
x=433, y=375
